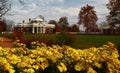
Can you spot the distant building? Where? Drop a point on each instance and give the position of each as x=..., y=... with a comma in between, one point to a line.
x=36, y=25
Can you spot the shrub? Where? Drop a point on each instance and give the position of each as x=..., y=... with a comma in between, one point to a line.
x=28, y=42
x=18, y=35
x=65, y=39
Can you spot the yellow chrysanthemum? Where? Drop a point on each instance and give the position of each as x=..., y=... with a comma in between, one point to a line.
x=62, y=67
x=90, y=70
x=30, y=70
x=78, y=67
x=11, y=71
x=36, y=67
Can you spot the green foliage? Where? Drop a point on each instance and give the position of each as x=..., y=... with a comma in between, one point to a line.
x=65, y=39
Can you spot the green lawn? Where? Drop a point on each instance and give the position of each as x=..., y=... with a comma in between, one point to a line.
x=84, y=41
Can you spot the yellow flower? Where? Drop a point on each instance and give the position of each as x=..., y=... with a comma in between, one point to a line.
x=78, y=67
x=33, y=43
x=111, y=44
x=36, y=67
x=11, y=71
x=90, y=70
x=1, y=48
x=62, y=67
x=30, y=70
x=98, y=65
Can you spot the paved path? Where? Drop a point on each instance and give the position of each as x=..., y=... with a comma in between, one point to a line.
x=5, y=42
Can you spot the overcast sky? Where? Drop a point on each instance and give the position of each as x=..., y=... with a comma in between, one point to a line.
x=54, y=9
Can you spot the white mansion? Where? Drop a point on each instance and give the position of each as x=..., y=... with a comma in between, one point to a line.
x=36, y=25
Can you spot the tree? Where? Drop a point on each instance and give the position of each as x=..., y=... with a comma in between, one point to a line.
x=63, y=22
x=74, y=28
x=42, y=17
x=9, y=24
x=52, y=22
x=2, y=26
x=57, y=27
x=4, y=7
x=87, y=16
x=114, y=15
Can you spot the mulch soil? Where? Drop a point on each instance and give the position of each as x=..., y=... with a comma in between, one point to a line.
x=5, y=42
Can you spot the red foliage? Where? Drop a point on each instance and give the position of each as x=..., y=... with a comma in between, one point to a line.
x=57, y=28
x=28, y=41
x=3, y=26
x=18, y=35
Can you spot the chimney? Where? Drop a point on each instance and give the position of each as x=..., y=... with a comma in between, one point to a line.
x=29, y=19
x=23, y=21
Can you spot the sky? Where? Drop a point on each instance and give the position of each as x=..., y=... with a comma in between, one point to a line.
x=55, y=9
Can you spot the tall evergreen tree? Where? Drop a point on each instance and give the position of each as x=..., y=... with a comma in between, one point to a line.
x=87, y=16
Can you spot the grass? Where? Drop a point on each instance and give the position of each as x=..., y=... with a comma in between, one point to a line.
x=84, y=41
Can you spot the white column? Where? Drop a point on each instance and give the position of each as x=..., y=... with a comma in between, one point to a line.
x=33, y=30
x=43, y=29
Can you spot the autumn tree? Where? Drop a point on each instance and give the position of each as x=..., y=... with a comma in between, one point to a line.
x=63, y=23
x=75, y=28
x=3, y=26
x=114, y=15
x=57, y=27
x=88, y=17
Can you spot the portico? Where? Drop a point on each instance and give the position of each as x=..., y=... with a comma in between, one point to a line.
x=35, y=26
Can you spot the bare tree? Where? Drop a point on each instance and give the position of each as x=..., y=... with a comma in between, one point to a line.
x=4, y=7
x=21, y=1
x=42, y=17
x=9, y=24
x=63, y=22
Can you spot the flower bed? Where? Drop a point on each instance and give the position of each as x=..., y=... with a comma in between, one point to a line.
x=56, y=59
